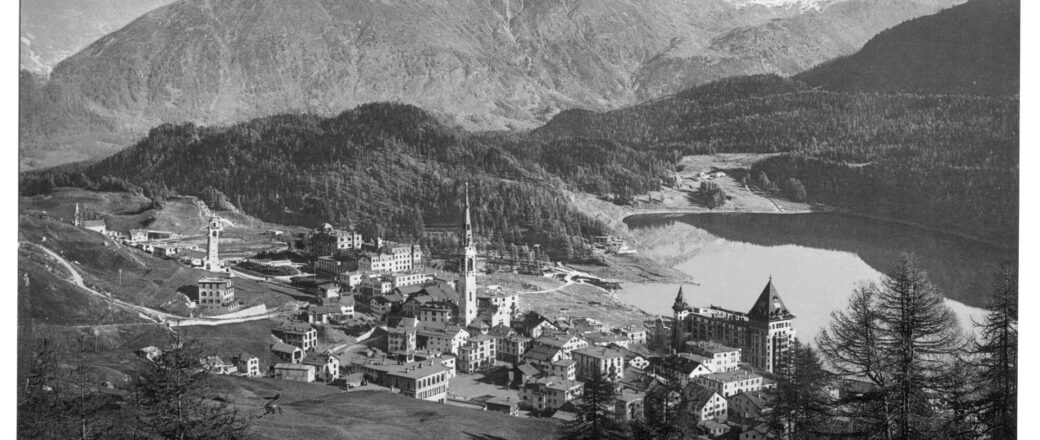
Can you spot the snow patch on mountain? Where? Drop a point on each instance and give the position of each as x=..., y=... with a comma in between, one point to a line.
x=803, y=5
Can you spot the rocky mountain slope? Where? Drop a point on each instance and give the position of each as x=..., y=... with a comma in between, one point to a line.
x=485, y=64
x=971, y=48
x=52, y=30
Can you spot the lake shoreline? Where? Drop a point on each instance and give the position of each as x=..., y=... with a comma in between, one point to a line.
x=828, y=210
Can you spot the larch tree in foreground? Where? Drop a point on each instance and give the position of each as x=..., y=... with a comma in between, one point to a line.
x=800, y=401
x=899, y=336
x=596, y=413
x=172, y=399
x=998, y=354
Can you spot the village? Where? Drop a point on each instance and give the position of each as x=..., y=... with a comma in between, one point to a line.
x=439, y=336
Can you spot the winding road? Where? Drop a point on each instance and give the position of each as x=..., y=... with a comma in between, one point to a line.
x=156, y=316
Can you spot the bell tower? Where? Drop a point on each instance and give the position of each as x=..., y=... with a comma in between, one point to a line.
x=680, y=310
x=467, y=285
x=212, y=263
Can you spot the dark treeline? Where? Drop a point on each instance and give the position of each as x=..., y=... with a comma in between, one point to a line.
x=60, y=396
x=386, y=169
x=942, y=160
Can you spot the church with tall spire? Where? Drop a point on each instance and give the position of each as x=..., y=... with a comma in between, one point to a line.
x=466, y=288
x=763, y=334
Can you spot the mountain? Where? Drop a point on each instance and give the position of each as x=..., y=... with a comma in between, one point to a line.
x=971, y=48
x=945, y=161
x=391, y=170
x=481, y=64
x=52, y=30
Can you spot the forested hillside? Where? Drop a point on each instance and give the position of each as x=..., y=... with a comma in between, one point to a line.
x=388, y=169
x=971, y=48
x=944, y=160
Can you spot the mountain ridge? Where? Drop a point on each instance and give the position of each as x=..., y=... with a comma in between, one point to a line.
x=971, y=48
x=500, y=64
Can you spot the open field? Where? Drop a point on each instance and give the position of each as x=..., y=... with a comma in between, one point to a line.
x=684, y=197
x=583, y=301
x=637, y=268
x=319, y=411
x=519, y=282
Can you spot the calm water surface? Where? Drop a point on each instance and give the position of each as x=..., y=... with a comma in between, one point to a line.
x=815, y=261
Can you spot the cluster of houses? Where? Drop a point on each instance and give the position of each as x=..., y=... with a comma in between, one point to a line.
x=164, y=244
x=435, y=328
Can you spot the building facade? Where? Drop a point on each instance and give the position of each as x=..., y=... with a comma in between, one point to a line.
x=599, y=360
x=763, y=335
x=216, y=292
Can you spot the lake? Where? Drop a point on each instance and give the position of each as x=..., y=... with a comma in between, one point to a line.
x=815, y=260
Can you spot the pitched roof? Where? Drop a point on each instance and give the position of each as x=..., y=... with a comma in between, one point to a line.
x=638, y=379
x=554, y=341
x=684, y=363
x=441, y=330
x=541, y=353
x=628, y=395
x=282, y=347
x=288, y=366
x=697, y=395
x=769, y=306
x=439, y=291
x=730, y=376
x=757, y=398
x=532, y=320
x=528, y=370
x=501, y=331
x=680, y=302
x=295, y=328
x=324, y=309
x=597, y=352
x=317, y=359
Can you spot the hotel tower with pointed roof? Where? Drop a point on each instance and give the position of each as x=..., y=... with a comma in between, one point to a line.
x=763, y=334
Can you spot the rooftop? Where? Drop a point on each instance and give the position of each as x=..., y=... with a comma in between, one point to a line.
x=411, y=370
x=698, y=395
x=214, y=280
x=541, y=353
x=295, y=328
x=628, y=395
x=710, y=347
x=730, y=376
x=599, y=352
x=288, y=366
x=282, y=347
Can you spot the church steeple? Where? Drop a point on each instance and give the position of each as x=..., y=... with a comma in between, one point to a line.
x=466, y=288
x=468, y=227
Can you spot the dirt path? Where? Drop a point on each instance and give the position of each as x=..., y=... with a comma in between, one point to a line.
x=156, y=316
x=77, y=279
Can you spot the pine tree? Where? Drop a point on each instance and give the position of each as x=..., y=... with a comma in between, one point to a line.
x=172, y=401
x=998, y=351
x=921, y=333
x=899, y=336
x=596, y=413
x=800, y=400
x=851, y=344
x=662, y=414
